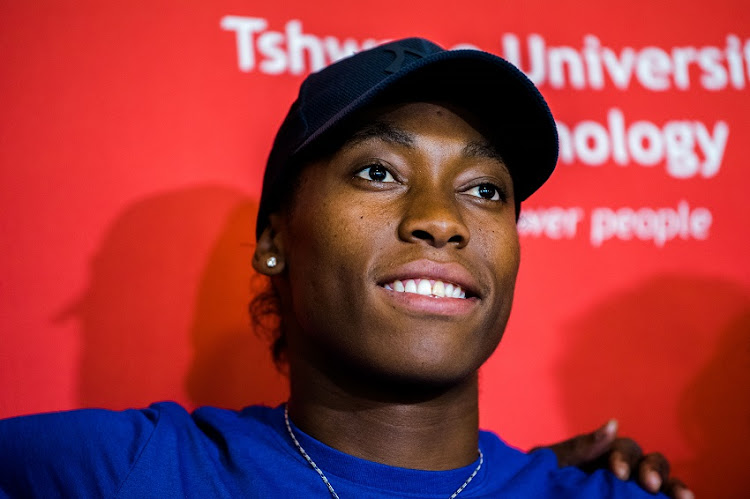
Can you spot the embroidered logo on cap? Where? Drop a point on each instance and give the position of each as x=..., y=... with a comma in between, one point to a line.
x=400, y=53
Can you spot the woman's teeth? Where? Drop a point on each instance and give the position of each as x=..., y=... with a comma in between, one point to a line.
x=427, y=287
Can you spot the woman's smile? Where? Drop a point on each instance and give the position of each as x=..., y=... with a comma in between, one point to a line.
x=427, y=303
x=429, y=287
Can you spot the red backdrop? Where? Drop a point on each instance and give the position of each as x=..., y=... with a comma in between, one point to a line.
x=131, y=149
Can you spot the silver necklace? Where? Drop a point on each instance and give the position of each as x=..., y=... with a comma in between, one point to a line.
x=325, y=478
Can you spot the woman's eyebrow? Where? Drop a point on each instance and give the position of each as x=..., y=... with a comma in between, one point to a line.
x=384, y=131
x=483, y=150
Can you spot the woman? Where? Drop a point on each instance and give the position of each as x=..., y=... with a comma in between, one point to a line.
x=387, y=225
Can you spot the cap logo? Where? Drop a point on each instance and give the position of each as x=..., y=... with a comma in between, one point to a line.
x=400, y=57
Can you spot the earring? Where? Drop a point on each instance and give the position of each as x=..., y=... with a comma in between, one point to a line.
x=271, y=262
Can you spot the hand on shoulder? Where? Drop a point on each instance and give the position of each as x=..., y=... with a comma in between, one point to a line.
x=603, y=449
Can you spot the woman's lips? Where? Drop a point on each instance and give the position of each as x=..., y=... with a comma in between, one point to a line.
x=426, y=287
x=428, y=304
x=430, y=278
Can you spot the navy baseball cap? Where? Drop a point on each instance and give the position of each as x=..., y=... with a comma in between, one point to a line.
x=514, y=115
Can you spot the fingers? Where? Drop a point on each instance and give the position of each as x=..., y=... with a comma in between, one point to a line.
x=653, y=472
x=624, y=457
x=587, y=448
x=607, y=433
x=675, y=488
x=592, y=446
x=653, y=475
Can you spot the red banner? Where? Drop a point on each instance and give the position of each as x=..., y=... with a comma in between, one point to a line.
x=133, y=143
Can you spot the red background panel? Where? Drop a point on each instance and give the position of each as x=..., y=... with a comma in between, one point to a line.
x=131, y=152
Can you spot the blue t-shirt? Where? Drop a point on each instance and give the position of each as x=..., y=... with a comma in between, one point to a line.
x=164, y=451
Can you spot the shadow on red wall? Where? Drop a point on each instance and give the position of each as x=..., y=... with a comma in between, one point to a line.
x=167, y=300
x=671, y=331
x=231, y=368
x=715, y=416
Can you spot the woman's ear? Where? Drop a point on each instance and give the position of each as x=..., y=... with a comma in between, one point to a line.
x=268, y=258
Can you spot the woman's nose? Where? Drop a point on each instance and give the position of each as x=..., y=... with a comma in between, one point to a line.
x=433, y=218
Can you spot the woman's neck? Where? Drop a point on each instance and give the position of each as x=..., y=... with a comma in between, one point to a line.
x=428, y=428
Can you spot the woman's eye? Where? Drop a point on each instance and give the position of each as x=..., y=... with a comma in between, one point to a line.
x=376, y=173
x=485, y=191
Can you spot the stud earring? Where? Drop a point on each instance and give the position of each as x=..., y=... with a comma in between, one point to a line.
x=271, y=262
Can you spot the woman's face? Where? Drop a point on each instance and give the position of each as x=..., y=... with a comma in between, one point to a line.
x=400, y=251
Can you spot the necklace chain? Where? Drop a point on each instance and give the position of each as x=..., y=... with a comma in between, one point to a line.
x=325, y=478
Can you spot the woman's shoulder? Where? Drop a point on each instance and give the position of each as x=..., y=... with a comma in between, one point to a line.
x=75, y=431
x=72, y=431
x=536, y=474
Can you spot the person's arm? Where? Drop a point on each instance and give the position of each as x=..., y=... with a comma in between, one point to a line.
x=603, y=449
x=85, y=453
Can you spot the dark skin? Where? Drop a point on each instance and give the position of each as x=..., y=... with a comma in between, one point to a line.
x=377, y=371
